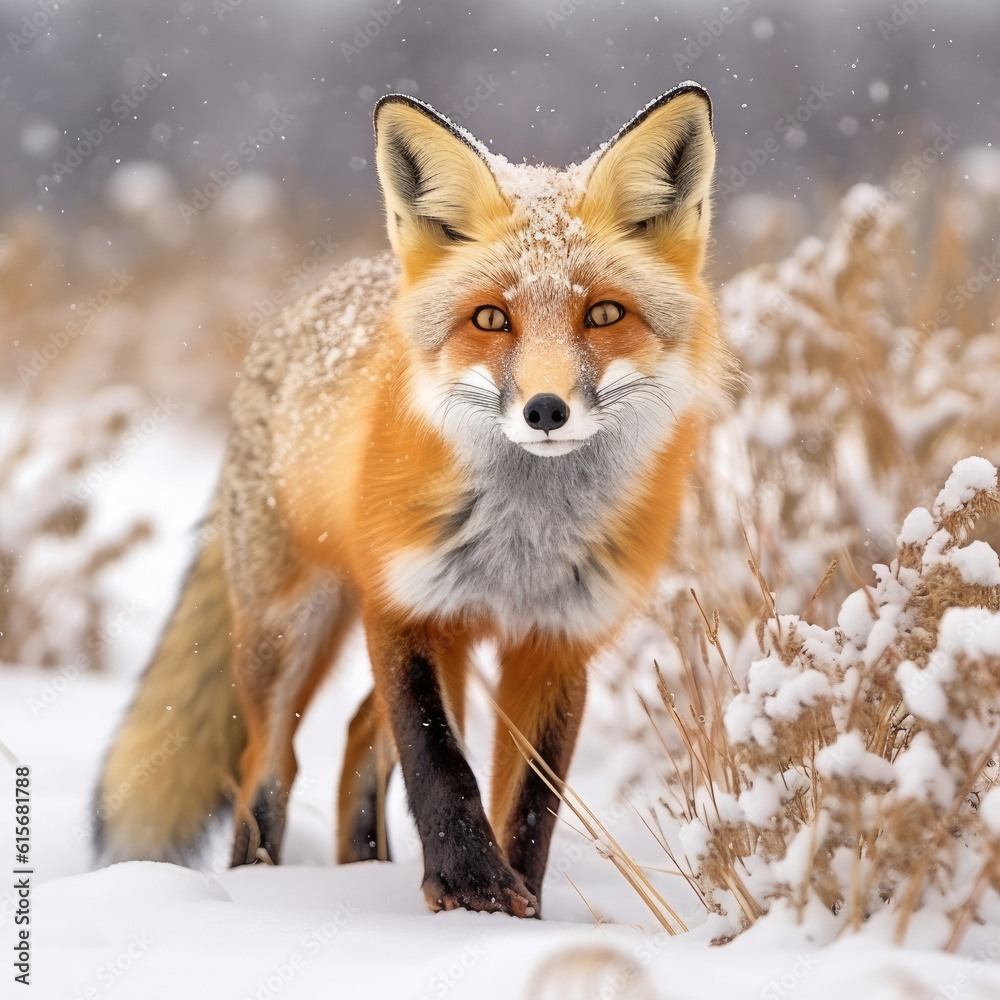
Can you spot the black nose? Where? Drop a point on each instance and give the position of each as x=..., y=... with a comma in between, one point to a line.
x=546, y=412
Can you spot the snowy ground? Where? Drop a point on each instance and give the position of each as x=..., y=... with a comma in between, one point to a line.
x=309, y=928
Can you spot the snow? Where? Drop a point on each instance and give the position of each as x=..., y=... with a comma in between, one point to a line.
x=968, y=476
x=228, y=931
x=309, y=928
x=695, y=838
x=978, y=564
x=923, y=691
x=155, y=932
x=884, y=632
x=152, y=931
x=762, y=801
x=918, y=526
x=306, y=929
x=921, y=774
x=848, y=757
x=989, y=810
x=793, y=867
x=855, y=618
x=739, y=718
x=975, y=632
x=796, y=693
x=923, y=624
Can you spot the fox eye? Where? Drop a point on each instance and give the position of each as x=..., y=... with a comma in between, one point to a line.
x=491, y=318
x=603, y=314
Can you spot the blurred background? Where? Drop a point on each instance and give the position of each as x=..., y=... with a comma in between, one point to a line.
x=175, y=172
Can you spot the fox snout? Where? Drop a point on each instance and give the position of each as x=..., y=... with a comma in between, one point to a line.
x=547, y=389
x=546, y=411
x=552, y=428
x=548, y=423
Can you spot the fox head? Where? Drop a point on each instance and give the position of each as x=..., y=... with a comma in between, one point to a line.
x=552, y=309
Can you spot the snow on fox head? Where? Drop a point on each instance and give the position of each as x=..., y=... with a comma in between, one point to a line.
x=548, y=307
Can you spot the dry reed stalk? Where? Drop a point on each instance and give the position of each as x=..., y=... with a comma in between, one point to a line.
x=596, y=830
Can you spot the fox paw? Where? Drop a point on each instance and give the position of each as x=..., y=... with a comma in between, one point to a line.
x=247, y=848
x=246, y=844
x=259, y=829
x=506, y=893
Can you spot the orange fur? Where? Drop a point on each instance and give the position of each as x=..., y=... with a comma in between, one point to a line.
x=385, y=480
x=407, y=477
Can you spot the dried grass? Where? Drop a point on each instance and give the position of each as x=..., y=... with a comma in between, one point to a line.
x=840, y=760
x=101, y=323
x=851, y=767
x=54, y=610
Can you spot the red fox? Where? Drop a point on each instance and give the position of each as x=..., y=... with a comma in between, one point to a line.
x=483, y=435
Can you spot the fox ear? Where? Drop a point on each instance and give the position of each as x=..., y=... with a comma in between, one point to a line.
x=439, y=192
x=654, y=178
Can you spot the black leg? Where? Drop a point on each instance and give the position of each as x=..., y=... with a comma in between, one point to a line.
x=463, y=865
x=368, y=762
x=533, y=818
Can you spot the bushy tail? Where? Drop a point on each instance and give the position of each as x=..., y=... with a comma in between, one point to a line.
x=173, y=761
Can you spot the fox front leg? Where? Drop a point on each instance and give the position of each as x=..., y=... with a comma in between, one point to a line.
x=463, y=864
x=542, y=690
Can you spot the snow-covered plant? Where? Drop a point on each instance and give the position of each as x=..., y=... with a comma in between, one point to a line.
x=837, y=760
x=52, y=603
x=868, y=380
x=852, y=773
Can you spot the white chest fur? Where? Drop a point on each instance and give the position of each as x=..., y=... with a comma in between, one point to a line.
x=528, y=547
